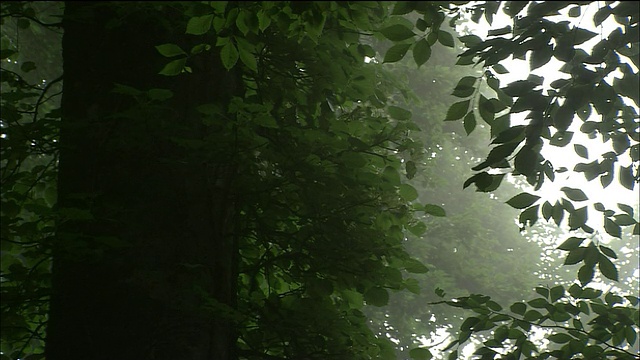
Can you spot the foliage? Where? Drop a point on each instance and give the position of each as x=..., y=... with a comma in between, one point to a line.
x=29, y=105
x=551, y=110
x=337, y=200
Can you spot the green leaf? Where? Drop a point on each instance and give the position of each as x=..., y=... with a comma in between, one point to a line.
x=420, y=354
x=530, y=216
x=624, y=220
x=585, y=274
x=397, y=32
x=248, y=59
x=469, y=122
x=556, y=293
x=421, y=52
x=160, y=94
x=581, y=151
x=575, y=256
x=458, y=110
x=574, y=12
x=399, y=113
x=532, y=315
x=608, y=269
x=500, y=69
x=229, y=55
x=608, y=252
x=417, y=229
x=396, y=53
x=519, y=308
x=376, y=296
x=174, y=67
x=170, y=50
x=445, y=38
x=408, y=192
x=411, y=169
x=626, y=177
x=540, y=56
x=577, y=218
x=415, y=266
x=560, y=338
x=28, y=66
x=574, y=194
x=563, y=117
x=612, y=228
x=571, y=243
x=199, y=25
x=434, y=210
x=523, y=200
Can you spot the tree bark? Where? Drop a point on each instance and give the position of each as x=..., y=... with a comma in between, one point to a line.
x=145, y=257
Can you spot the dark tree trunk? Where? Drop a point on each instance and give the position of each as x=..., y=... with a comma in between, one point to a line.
x=145, y=257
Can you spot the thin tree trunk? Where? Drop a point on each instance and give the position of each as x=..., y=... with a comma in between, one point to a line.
x=145, y=257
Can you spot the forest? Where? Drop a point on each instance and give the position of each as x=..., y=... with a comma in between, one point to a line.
x=319, y=180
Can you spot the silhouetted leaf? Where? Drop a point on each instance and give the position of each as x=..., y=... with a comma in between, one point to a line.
x=574, y=194
x=522, y=200
x=608, y=269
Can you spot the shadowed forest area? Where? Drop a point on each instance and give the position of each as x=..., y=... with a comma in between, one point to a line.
x=319, y=180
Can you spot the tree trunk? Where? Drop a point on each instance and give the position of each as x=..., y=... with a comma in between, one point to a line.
x=145, y=256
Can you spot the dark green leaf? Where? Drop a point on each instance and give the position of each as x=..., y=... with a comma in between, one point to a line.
x=529, y=216
x=458, y=110
x=445, y=38
x=519, y=308
x=411, y=169
x=420, y=354
x=556, y=293
x=170, y=50
x=376, y=296
x=581, y=151
x=571, y=243
x=469, y=122
x=408, y=192
x=523, y=200
x=540, y=56
x=575, y=256
x=574, y=194
x=563, y=117
x=397, y=32
x=174, y=67
x=577, y=218
x=608, y=252
x=199, y=25
x=585, y=274
x=626, y=177
x=626, y=208
x=396, y=53
x=608, y=269
x=434, y=210
x=421, y=52
x=611, y=227
x=560, y=338
x=229, y=55
x=574, y=12
x=399, y=113
x=28, y=66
